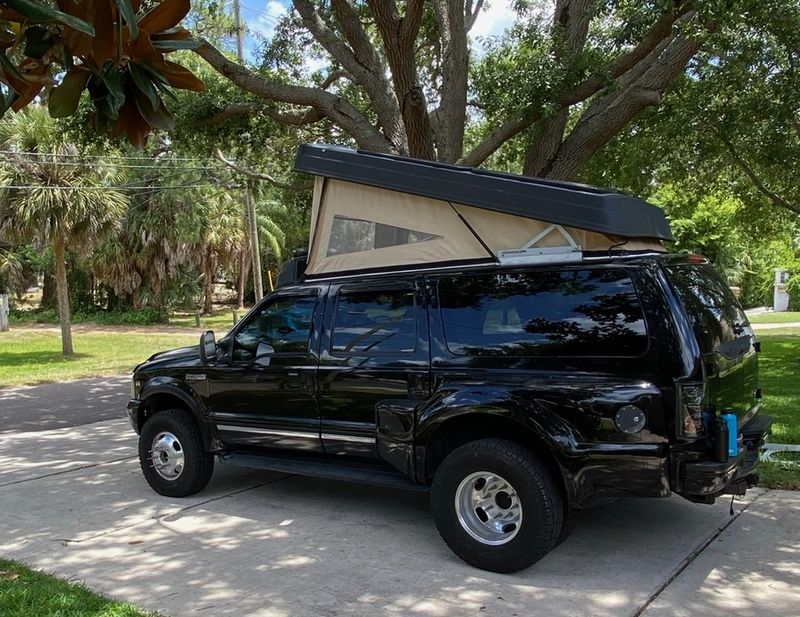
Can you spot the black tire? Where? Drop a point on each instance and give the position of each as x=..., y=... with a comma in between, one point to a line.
x=197, y=463
x=568, y=524
x=539, y=498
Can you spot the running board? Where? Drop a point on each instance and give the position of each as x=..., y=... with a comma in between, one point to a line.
x=359, y=473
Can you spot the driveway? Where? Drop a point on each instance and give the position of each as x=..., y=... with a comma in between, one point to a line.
x=73, y=502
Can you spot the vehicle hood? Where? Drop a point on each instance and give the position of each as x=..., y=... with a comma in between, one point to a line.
x=182, y=356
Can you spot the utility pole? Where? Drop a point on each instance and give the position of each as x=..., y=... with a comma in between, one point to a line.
x=250, y=205
x=238, y=18
x=258, y=283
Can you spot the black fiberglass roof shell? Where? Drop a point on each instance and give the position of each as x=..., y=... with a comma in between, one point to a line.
x=566, y=203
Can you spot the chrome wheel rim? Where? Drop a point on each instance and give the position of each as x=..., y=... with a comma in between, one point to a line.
x=166, y=456
x=488, y=508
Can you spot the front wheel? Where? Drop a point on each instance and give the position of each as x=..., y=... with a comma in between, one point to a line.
x=172, y=456
x=496, y=505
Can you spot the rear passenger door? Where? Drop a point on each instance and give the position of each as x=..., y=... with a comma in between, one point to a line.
x=374, y=352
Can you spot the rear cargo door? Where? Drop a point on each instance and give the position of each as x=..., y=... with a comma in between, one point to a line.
x=724, y=335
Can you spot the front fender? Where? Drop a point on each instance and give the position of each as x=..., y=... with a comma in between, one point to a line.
x=153, y=395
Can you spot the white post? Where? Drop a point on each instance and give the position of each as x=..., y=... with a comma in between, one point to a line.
x=780, y=300
x=5, y=307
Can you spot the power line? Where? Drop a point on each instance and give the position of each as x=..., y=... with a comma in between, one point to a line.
x=107, y=187
x=117, y=165
x=103, y=156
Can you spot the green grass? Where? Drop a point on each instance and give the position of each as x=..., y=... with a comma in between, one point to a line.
x=219, y=321
x=779, y=374
x=785, y=317
x=30, y=356
x=27, y=593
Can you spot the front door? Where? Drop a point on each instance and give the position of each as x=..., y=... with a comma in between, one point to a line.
x=264, y=393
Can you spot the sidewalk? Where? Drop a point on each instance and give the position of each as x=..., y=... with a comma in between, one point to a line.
x=74, y=503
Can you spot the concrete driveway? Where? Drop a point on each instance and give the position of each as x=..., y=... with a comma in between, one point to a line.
x=73, y=502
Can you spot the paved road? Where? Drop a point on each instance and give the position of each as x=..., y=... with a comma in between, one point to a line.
x=59, y=405
x=73, y=502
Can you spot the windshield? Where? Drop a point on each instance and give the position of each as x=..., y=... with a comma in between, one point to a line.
x=716, y=316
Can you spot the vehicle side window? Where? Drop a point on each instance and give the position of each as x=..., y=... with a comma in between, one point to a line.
x=549, y=313
x=282, y=326
x=374, y=321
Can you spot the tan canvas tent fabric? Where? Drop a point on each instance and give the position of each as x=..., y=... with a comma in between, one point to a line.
x=357, y=227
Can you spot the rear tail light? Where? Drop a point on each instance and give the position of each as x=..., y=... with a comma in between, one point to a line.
x=690, y=397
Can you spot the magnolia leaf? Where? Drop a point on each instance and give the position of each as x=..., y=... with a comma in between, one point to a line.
x=64, y=98
x=158, y=118
x=144, y=84
x=160, y=81
x=165, y=15
x=173, y=44
x=39, y=11
x=38, y=42
x=129, y=14
x=180, y=77
x=104, y=44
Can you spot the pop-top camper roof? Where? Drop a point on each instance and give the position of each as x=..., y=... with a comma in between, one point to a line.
x=374, y=211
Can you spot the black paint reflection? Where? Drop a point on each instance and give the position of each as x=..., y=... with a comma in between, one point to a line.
x=555, y=313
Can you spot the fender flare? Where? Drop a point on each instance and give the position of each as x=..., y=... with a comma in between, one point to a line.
x=175, y=388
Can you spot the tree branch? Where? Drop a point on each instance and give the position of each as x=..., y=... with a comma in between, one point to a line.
x=643, y=86
x=399, y=35
x=776, y=199
x=452, y=111
x=352, y=121
x=518, y=122
x=471, y=15
x=255, y=175
x=361, y=62
x=569, y=32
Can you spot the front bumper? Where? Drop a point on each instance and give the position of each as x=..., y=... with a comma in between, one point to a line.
x=705, y=480
x=133, y=409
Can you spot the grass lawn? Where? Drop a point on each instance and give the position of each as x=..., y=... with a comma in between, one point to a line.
x=779, y=371
x=30, y=356
x=26, y=593
x=784, y=317
x=219, y=321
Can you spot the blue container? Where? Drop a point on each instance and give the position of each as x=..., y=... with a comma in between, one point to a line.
x=733, y=432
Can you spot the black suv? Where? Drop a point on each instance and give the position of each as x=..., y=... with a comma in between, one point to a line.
x=515, y=394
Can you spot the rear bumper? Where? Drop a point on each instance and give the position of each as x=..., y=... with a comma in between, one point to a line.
x=705, y=480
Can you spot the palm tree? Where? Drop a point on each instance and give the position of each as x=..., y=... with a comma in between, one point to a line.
x=50, y=193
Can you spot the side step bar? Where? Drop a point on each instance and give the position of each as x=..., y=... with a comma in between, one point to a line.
x=364, y=473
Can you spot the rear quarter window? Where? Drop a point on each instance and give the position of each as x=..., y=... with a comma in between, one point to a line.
x=714, y=313
x=547, y=313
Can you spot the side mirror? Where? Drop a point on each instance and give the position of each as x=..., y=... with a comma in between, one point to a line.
x=208, y=348
x=263, y=355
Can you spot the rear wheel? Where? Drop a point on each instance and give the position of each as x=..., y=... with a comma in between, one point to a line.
x=172, y=456
x=496, y=505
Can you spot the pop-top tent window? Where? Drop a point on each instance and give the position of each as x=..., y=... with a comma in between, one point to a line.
x=350, y=235
x=375, y=211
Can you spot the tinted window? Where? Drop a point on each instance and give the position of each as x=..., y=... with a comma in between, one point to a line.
x=284, y=324
x=559, y=313
x=374, y=321
x=712, y=308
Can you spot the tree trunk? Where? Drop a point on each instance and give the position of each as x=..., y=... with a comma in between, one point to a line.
x=208, y=282
x=62, y=293
x=241, y=280
x=49, y=291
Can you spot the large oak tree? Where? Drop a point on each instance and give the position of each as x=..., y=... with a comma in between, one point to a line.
x=401, y=76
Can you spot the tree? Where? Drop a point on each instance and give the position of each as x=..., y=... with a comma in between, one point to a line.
x=400, y=76
x=52, y=194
